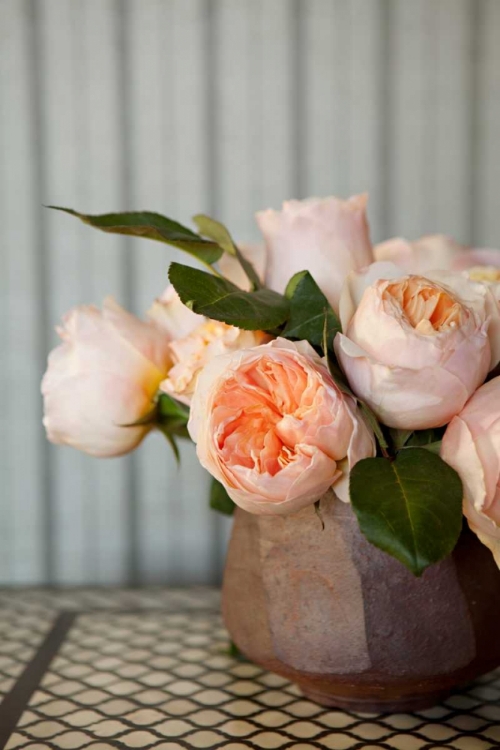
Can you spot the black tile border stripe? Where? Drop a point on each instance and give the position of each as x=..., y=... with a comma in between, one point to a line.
x=16, y=701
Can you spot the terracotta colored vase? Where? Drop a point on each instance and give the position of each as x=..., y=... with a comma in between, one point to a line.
x=348, y=623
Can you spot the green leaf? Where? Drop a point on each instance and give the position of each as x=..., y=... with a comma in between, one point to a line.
x=410, y=507
x=154, y=227
x=434, y=447
x=217, y=232
x=421, y=438
x=309, y=309
x=219, y=299
x=338, y=376
x=429, y=439
x=220, y=500
x=170, y=408
x=172, y=416
x=374, y=424
x=172, y=441
x=399, y=437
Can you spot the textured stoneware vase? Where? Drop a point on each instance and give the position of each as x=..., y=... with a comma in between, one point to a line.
x=349, y=624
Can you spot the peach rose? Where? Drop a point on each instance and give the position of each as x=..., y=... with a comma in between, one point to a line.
x=471, y=444
x=415, y=348
x=440, y=252
x=328, y=237
x=272, y=426
x=104, y=375
x=194, y=341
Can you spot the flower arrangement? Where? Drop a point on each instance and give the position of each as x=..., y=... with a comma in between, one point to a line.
x=314, y=361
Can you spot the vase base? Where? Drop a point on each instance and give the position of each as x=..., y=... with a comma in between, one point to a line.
x=405, y=704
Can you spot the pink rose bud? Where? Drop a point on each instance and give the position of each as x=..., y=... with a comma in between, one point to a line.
x=328, y=237
x=471, y=444
x=415, y=348
x=271, y=425
x=103, y=376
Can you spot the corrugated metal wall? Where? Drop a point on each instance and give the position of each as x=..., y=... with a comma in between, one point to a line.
x=222, y=106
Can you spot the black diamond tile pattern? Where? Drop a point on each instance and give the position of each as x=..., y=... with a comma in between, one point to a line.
x=162, y=678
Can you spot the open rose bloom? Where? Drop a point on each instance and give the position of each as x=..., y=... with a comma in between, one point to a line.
x=273, y=427
x=293, y=387
x=415, y=348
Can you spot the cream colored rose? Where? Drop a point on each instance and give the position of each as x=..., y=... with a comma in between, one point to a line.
x=328, y=237
x=104, y=375
x=471, y=444
x=193, y=352
x=271, y=425
x=172, y=316
x=194, y=341
x=415, y=348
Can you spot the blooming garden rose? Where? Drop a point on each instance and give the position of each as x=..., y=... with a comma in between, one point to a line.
x=103, y=376
x=413, y=348
x=471, y=444
x=271, y=425
x=329, y=237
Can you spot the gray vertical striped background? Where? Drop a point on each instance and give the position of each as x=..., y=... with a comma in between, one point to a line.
x=221, y=106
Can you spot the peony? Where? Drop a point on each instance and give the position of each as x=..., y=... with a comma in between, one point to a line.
x=471, y=444
x=328, y=237
x=440, y=252
x=103, y=376
x=271, y=425
x=193, y=352
x=414, y=348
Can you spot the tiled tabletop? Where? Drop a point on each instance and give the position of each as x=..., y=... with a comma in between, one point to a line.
x=151, y=669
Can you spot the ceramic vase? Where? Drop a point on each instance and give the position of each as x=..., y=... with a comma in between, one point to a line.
x=350, y=624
